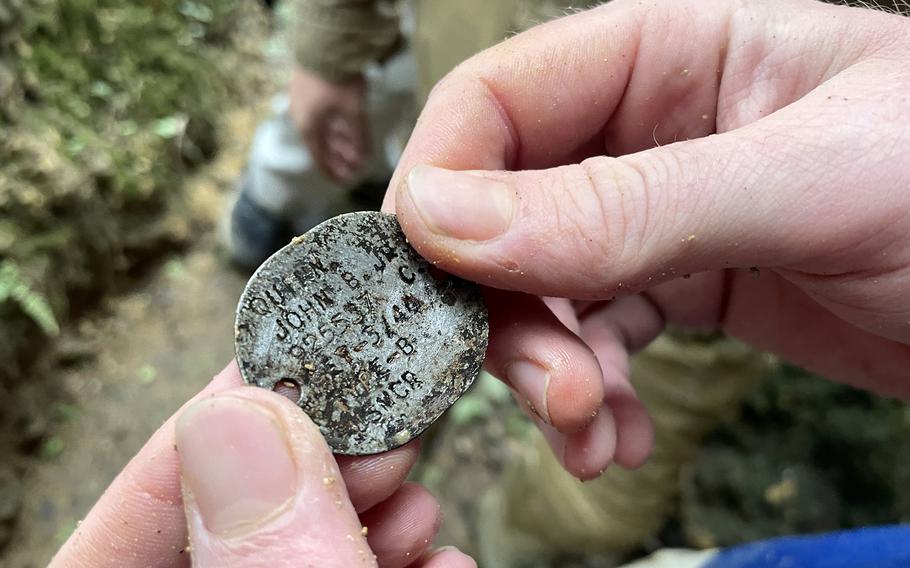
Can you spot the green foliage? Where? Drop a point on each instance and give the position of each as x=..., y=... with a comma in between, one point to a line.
x=64, y=412
x=480, y=401
x=119, y=81
x=804, y=455
x=147, y=374
x=51, y=448
x=13, y=287
x=105, y=107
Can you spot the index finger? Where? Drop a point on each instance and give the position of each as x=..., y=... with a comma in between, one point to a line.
x=625, y=77
x=574, y=87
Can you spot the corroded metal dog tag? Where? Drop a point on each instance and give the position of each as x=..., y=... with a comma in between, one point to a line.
x=378, y=344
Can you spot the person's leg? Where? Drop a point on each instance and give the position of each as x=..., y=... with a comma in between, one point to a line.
x=283, y=193
x=254, y=232
x=280, y=190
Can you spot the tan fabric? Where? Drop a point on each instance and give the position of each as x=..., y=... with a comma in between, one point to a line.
x=449, y=32
x=688, y=385
x=338, y=38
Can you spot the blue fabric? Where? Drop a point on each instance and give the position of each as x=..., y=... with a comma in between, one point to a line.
x=876, y=547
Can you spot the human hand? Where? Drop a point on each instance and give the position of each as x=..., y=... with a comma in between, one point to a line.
x=758, y=146
x=260, y=488
x=332, y=122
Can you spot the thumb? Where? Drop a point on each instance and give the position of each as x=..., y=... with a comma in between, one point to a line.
x=261, y=488
x=764, y=195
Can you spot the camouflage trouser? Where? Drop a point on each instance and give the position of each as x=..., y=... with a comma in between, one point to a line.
x=688, y=384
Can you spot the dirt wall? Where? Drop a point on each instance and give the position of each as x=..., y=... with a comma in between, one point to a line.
x=106, y=108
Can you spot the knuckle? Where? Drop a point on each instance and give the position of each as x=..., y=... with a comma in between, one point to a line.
x=618, y=207
x=160, y=497
x=450, y=83
x=648, y=202
x=581, y=212
x=629, y=206
x=566, y=221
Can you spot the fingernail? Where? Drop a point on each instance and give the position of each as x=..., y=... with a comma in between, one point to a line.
x=531, y=380
x=461, y=205
x=442, y=550
x=236, y=463
x=590, y=451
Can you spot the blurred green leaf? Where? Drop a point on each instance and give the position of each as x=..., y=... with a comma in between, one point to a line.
x=75, y=145
x=65, y=531
x=431, y=475
x=469, y=408
x=196, y=10
x=14, y=287
x=51, y=448
x=102, y=90
x=174, y=269
x=170, y=126
x=128, y=127
x=147, y=374
x=493, y=388
x=518, y=425
x=66, y=412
